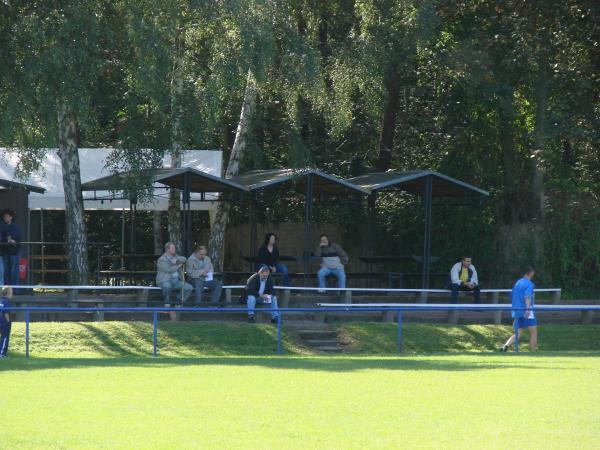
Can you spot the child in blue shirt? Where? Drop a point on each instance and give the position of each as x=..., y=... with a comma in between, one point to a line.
x=5, y=322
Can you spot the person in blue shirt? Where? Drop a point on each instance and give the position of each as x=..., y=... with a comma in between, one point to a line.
x=5, y=323
x=11, y=236
x=523, y=300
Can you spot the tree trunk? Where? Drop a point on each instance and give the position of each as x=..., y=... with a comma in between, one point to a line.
x=512, y=199
x=157, y=230
x=216, y=243
x=542, y=93
x=74, y=212
x=174, y=211
x=537, y=181
x=388, y=126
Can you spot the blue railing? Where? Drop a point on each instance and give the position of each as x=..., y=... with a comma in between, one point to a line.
x=349, y=308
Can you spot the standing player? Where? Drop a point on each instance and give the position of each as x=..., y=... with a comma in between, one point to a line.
x=5, y=323
x=523, y=299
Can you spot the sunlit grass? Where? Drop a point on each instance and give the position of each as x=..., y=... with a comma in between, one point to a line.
x=438, y=401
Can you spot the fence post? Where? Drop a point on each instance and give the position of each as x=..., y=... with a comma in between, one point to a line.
x=497, y=314
x=453, y=316
x=27, y=333
x=279, y=334
x=556, y=297
x=399, y=338
x=348, y=297
x=155, y=332
x=142, y=297
x=587, y=317
x=286, y=298
x=515, y=326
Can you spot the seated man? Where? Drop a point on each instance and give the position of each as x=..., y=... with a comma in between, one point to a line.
x=333, y=257
x=168, y=277
x=200, y=275
x=259, y=289
x=463, y=277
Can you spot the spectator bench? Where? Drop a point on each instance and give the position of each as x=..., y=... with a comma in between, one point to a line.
x=152, y=294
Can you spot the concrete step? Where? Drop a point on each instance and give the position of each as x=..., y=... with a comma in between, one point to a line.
x=317, y=343
x=318, y=334
x=331, y=349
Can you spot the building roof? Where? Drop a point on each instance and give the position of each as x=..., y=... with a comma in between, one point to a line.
x=323, y=183
x=8, y=184
x=199, y=181
x=412, y=181
x=122, y=181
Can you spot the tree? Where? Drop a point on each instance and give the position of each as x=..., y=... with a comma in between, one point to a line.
x=57, y=56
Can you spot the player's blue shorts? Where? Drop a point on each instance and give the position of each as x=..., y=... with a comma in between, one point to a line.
x=522, y=322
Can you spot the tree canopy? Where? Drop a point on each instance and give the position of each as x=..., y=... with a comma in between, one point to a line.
x=500, y=94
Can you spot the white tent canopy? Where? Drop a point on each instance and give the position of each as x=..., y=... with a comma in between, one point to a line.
x=93, y=166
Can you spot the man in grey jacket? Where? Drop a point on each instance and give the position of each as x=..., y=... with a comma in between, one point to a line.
x=200, y=274
x=333, y=257
x=168, y=276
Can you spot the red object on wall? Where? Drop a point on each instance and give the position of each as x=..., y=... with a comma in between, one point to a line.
x=22, y=269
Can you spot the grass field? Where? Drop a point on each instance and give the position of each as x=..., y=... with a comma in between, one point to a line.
x=88, y=393
x=228, y=338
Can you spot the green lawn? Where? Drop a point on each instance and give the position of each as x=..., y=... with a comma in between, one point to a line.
x=99, y=339
x=436, y=401
x=218, y=385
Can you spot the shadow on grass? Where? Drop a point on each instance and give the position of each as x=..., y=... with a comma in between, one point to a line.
x=430, y=362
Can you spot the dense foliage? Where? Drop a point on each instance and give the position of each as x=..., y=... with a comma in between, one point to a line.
x=502, y=94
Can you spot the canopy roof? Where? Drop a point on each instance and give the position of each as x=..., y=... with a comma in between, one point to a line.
x=93, y=166
x=7, y=184
x=122, y=181
x=412, y=181
x=323, y=183
x=198, y=181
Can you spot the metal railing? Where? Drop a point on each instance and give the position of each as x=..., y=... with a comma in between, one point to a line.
x=397, y=308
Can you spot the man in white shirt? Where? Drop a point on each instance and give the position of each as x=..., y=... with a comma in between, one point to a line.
x=463, y=277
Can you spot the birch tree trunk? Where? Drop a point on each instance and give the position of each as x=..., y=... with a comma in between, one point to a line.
x=216, y=243
x=388, y=126
x=174, y=211
x=74, y=211
x=542, y=92
x=157, y=230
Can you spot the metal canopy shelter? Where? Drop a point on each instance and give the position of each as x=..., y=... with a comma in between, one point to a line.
x=187, y=179
x=425, y=182
x=125, y=182
x=309, y=181
x=8, y=185
x=190, y=180
x=128, y=184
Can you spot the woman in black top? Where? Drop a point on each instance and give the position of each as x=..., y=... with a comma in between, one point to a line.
x=268, y=255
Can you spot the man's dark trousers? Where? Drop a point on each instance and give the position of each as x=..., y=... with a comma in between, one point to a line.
x=455, y=288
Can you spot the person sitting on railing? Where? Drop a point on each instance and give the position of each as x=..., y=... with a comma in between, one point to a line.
x=259, y=289
x=463, y=277
x=333, y=258
x=5, y=323
x=201, y=275
x=169, y=275
x=11, y=249
x=268, y=255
